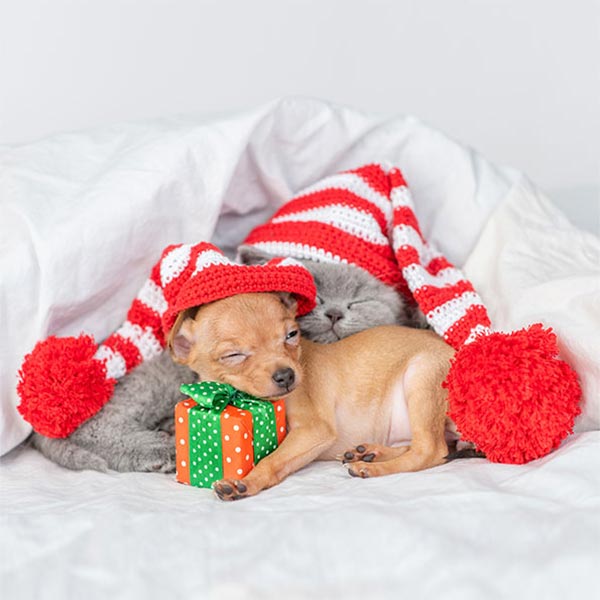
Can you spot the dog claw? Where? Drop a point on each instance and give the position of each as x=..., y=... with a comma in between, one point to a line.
x=360, y=448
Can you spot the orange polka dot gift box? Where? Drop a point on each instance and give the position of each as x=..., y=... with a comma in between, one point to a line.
x=222, y=432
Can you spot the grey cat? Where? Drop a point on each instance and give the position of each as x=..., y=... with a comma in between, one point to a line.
x=131, y=432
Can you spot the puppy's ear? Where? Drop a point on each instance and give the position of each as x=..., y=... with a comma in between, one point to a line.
x=249, y=255
x=181, y=338
x=289, y=301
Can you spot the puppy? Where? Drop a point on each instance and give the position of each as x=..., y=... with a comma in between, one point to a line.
x=379, y=388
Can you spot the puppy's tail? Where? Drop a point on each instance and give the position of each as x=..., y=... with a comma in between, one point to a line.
x=68, y=454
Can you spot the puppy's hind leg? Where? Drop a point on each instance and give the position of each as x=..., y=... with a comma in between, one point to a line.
x=427, y=405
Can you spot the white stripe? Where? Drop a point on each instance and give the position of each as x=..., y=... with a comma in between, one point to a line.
x=294, y=250
x=143, y=339
x=405, y=235
x=444, y=316
x=290, y=262
x=153, y=297
x=113, y=361
x=355, y=184
x=348, y=219
x=174, y=263
x=210, y=258
x=416, y=276
x=401, y=196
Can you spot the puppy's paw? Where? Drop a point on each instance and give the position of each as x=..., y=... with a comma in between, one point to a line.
x=230, y=489
x=358, y=469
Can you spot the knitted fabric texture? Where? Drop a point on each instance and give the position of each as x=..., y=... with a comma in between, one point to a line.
x=365, y=217
x=65, y=381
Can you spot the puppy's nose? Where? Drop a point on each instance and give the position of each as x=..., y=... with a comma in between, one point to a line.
x=334, y=314
x=284, y=378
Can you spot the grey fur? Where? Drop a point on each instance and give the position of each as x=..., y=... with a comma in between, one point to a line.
x=131, y=432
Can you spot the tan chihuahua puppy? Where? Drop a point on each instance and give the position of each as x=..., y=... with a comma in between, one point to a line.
x=381, y=387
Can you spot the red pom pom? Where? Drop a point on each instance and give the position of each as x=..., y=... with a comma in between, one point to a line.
x=511, y=396
x=61, y=385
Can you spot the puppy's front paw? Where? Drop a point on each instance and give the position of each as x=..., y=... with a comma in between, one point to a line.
x=230, y=489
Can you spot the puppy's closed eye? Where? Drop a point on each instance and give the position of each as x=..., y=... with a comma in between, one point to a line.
x=233, y=358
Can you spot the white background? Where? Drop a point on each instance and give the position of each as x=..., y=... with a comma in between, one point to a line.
x=516, y=79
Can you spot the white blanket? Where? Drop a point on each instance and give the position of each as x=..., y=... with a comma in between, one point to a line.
x=84, y=216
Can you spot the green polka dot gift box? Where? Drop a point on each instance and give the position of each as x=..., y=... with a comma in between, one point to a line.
x=222, y=432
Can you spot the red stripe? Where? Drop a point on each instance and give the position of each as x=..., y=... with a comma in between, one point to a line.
x=378, y=260
x=329, y=197
x=396, y=178
x=407, y=255
x=438, y=264
x=376, y=177
x=126, y=349
x=458, y=333
x=430, y=297
x=142, y=315
x=404, y=215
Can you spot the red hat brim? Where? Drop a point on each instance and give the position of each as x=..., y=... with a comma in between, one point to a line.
x=223, y=281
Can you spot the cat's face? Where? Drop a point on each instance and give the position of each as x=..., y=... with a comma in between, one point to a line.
x=349, y=300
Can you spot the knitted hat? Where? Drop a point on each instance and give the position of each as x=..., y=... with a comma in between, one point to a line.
x=509, y=394
x=345, y=218
x=65, y=381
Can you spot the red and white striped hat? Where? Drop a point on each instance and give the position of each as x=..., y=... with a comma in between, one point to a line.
x=510, y=394
x=65, y=381
x=365, y=217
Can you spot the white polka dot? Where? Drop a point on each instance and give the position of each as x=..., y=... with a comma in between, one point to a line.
x=238, y=449
x=278, y=408
x=180, y=419
x=236, y=427
x=183, y=463
x=245, y=436
x=247, y=457
x=226, y=438
x=182, y=442
x=226, y=415
x=228, y=459
x=281, y=429
x=239, y=471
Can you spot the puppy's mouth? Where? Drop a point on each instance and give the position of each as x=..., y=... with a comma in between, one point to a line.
x=280, y=394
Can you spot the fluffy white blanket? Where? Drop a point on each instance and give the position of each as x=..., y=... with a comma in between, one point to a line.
x=84, y=216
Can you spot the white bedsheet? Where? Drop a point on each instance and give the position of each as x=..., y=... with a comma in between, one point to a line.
x=467, y=530
x=84, y=216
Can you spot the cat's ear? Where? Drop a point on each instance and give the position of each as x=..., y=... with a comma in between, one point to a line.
x=289, y=301
x=249, y=255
